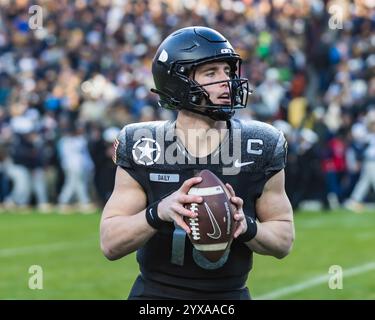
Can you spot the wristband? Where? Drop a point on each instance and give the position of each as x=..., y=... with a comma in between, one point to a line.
x=152, y=216
x=251, y=231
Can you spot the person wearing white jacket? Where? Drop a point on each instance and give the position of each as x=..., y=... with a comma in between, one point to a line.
x=367, y=177
x=78, y=168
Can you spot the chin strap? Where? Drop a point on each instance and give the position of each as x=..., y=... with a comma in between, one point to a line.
x=214, y=114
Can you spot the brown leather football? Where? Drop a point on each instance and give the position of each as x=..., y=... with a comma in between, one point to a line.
x=212, y=230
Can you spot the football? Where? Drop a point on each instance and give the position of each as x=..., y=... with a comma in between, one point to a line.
x=212, y=230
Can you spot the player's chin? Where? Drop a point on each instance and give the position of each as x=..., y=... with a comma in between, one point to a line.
x=221, y=102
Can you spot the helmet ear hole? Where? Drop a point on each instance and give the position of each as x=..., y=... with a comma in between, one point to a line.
x=181, y=69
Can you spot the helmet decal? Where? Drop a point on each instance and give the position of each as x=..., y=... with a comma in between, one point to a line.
x=226, y=50
x=163, y=57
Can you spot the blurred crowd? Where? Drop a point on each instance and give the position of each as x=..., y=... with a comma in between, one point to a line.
x=68, y=87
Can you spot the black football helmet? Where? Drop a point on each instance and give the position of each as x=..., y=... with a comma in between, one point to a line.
x=177, y=58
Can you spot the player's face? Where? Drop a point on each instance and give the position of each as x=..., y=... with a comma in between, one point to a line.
x=212, y=72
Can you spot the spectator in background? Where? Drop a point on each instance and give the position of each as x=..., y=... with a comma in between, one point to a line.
x=4, y=137
x=367, y=178
x=310, y=177
x=271, y=93
x=78, y=168
x=334, y=168
x=354, y=156
x=26, y=169
x=101, y=150
x=4, y=180
x=5, y=88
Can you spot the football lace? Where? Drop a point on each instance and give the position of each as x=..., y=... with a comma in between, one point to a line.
x=194, y=226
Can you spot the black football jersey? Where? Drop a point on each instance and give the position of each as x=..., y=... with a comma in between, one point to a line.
x=250, y=153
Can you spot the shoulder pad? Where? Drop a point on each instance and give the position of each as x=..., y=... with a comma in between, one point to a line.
x=120, y=157
x=262, y=144
x=132, y=138
x=278, y=159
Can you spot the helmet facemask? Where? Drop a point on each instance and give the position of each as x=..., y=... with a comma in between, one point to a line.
x=199, y=99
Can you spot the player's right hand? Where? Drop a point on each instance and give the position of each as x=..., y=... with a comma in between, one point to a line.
x=172, y=208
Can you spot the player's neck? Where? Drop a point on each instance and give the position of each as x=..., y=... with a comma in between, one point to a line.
x=189, y=120
x=199, y=134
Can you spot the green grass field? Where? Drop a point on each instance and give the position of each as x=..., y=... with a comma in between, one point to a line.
x=67, y=249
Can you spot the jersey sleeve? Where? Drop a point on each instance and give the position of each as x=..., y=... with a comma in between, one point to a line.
x=120, y=153
x=278, y=159
x=123, y=157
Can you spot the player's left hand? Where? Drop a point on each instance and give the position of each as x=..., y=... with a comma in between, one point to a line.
x=239, y=215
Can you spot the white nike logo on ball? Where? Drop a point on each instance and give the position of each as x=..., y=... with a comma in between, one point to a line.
x=238, y=164
x=216, y=234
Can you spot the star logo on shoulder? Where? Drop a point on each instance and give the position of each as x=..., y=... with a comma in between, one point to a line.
x=146, y=151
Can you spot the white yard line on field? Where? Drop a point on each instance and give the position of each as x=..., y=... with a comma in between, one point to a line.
x=315, y=282
x=9, y=252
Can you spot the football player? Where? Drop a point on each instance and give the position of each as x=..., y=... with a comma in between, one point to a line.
x=197, y=72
